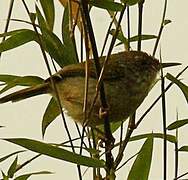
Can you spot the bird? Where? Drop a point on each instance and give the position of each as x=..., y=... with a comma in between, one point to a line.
x=128, y=77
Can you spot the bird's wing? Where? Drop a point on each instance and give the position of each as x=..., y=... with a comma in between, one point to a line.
x=113, y=69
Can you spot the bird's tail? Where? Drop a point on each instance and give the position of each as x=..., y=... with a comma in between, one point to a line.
x=26, y=93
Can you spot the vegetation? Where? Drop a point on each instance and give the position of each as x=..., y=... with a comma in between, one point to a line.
x=77, y=41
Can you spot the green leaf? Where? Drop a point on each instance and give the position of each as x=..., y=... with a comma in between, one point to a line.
x=49, y=12
x=32, y=17
x=69, y=48
x=55, y=48
x=113, y=126
x=26, y=176
x=92, y=151
x=56, y=152
x=19, y=80
x=170, y=138
x=141, y=166
x=124, y=40
x=12, y=168
x=4, y=176
x=7, y=78
x=52, y=44
x=65, y=27
x=167, y=21
x=9, y=155
x=42, y=23
x=52, y=111
x=184, y=148
x=11, y=33
x=182, y=86
x=108, y=5
x=177, y=124
x=17, y=39
x=131, y=2
x=120, y=37
x=143, y=37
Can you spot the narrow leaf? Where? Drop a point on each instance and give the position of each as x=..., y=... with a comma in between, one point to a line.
x=170, y=138
x=131, y=2
x=41, y=20
x=4, y=176
x=124, y=40
x=32, y=17
x=14, y=32
x=18, y=39
x=7, y=78
x=120, y=37
x=52, y=44
x=12, y=168
x=167, y=21
x=177, y=124
x=182, y=86
x=143, y=37
x=52, y=111
x=108, y=5
x=56, y=152
x=55, y=48
x=26, y=176
x=9, y=155
x=184, y=148
x=19, y=80
x=49, y=12
x=69, y=48
x=22, y=80
x=141, y=166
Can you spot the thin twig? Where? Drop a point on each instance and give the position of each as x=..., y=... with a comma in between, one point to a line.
x=116, y=23
x=176, y=159
x=108, y=33
x=181, y=176
x=128, y=28
x=176, y=152
x=140, y=15
x=111, y=47
x=108, y=134
x=87, y=47
x=121, y=135
x=164, y=123
x=161, y=28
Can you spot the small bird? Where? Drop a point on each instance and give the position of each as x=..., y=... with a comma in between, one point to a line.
x=128, y=77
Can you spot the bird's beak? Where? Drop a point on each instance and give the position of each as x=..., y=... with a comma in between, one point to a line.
x=164, y=65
